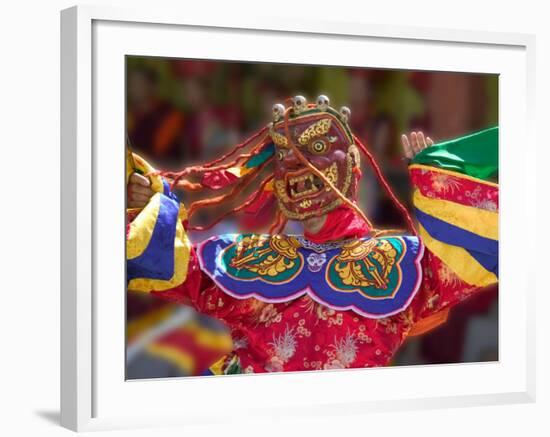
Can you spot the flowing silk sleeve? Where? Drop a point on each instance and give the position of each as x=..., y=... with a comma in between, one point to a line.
x=158, y=250
x=455, y=199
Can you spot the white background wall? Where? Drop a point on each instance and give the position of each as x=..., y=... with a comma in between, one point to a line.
x=29, y=217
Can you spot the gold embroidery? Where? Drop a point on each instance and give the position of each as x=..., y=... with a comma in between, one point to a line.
x=360, y=256
x=285, y=248
x=315, y=130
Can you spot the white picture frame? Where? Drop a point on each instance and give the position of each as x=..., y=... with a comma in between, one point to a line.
x=94, y=394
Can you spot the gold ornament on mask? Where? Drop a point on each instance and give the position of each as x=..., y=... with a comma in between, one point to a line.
x=316, y=130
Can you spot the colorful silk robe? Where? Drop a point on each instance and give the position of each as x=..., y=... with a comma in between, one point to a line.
x=294, y=305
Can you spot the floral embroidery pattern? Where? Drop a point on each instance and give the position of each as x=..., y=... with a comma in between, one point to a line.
x=443, y=183
x=345, y=349
x=447, y=276
x=269, y=315
x=301, y=330
x=435, y=184
x=284, y=347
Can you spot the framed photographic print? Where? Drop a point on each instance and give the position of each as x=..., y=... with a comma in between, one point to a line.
x=296, y=228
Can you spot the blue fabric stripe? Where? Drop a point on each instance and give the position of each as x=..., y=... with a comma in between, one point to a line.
x=489, y=262
x=157, y=260
x=167, y=192
x=451, y=234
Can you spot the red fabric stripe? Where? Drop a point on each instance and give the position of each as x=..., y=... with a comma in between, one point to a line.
x=465, y=191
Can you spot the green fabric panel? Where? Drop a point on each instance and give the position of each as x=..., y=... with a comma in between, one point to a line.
x=475, y=155
x=261, y=157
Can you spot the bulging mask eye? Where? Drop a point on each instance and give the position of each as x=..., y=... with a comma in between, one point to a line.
x=281, y=154
x=318, y=147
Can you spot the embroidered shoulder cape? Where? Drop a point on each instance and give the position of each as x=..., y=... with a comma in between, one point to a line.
x=374, y=277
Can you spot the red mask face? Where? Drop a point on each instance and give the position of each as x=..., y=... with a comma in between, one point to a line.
x=325, y=141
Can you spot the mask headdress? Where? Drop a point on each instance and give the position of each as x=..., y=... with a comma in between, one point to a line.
x=322, y=121
x=316, y=167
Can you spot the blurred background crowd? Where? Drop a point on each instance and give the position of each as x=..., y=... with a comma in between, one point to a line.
x=182, y=112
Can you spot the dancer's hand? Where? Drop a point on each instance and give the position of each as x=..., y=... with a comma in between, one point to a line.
x=138, y=191
x=415, y=144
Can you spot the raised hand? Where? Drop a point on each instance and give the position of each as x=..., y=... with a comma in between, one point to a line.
x=416, y=144
x=139, y=191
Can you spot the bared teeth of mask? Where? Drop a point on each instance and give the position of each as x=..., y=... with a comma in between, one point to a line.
x=317, y=183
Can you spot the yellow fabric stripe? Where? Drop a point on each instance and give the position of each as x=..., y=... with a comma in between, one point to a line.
x=182, y=247
x=208, y=338
x=141, y=228
x=142, y=165
x=476, y=220
x=130, y=166
x=138, y=326
x=240, y=171
x=217, y=367
x=451, y=173
x=459, y=261
x=182, y=359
